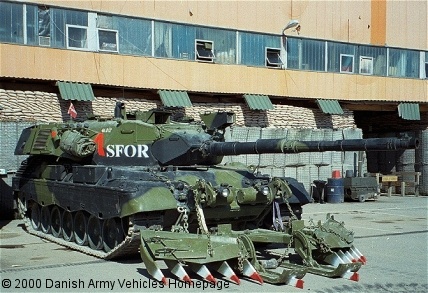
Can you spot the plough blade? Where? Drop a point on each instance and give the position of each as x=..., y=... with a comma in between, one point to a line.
x=250, y=271
x=223, y=253
x=224, y=269
x=203, y=271
x=177, y=269
x=150, y=263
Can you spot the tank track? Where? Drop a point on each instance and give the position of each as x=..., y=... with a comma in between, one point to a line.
x=129, y=246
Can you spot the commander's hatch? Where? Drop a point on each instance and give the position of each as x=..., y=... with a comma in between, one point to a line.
x=155, y=116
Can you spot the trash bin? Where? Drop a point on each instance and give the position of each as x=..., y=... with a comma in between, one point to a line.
x=334, y=190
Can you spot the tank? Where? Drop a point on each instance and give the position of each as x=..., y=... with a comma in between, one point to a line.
x=144, y=182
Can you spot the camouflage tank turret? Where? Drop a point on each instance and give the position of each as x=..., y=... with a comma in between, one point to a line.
x=144, y=182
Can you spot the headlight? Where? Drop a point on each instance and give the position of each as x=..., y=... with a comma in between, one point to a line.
x=265, y=190
x=225, y=192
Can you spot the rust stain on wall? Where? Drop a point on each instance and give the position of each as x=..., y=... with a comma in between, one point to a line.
x=378, y=22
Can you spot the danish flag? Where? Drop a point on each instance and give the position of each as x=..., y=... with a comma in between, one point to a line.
x=71, y=111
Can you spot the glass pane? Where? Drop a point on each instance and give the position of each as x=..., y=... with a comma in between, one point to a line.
x=346, y=63
x=335, y=51
x=32, y=25
x=403, y=63
x=77, y=37
x=11, y=22
x=204, y=50
x=60, y=18
x=293, y=49
x=366, y=65
x=305, y=54
x=426, y=65
x=379, y=58
x=253, y=48
x=107, y=40
x=273, y=57
x=44, y=22
x=313, y=55
x=174, y=41
x=224, y=42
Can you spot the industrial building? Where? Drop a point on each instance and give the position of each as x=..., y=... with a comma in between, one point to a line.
x=299, y=69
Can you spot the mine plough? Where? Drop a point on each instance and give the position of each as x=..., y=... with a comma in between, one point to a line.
x=324, y=249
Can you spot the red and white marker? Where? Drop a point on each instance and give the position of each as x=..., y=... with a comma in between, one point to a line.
x=353, y=276
x=298, y=283
x=227, y=271
x=250, y=271
x=178, y=270
x=203, y=271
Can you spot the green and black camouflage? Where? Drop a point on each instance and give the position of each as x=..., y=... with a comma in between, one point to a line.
x=143, y=181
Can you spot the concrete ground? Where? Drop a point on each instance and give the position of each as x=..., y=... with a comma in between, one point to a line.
x=392, y=233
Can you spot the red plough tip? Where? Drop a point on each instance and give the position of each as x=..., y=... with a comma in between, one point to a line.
x=187, y=279
x=235, y=279
x=211, y=279
x=299, y=283
x=255, y=276
x=165, y=281
x=355, y=277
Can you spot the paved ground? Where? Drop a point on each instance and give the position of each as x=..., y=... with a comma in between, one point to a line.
x=392, y=232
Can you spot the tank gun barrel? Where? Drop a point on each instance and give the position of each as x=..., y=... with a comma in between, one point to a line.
x=262, y=146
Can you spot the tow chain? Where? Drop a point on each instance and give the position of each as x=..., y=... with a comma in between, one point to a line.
x=288, y=248
x=183, y=218
x=241, y=255
x=203, y=225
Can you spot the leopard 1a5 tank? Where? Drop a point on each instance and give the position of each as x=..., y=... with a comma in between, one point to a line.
x=143, y=182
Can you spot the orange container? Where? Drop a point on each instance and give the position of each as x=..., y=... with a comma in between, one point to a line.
x=336, y=174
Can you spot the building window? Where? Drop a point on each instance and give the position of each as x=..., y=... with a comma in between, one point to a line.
x=108, y=40
x=252, y=48
x=44, y=22
x=61, y=19
x=403, y=63
x=366, y=65
x=305, y=54
x=346, y=63
x=338, y=56
x=377, y=65
x=204, y=50
x=426, y=66
x=77, y=37
x=273, y=58
x=11, y=22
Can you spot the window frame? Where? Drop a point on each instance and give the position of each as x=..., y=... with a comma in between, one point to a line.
x=271, y=64
x=198, y=57
x=364, y=59
x=67, y=26
x=116, y=39
x=352, y=64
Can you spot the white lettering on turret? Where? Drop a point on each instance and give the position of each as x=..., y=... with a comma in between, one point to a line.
x=130, y=151
x=142, y=150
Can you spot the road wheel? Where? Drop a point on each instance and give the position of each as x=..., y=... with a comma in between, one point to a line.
x=45, y=220
x=56, y=221
x=80, y=228
x=95, y=233
x=35, y=216
x=67, y=226
x=112, y=234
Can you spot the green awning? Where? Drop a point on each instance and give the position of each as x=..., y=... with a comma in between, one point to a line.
x=75, y=91
x=258, y=102
x=330, y=107
x=175, y=98
x=409, y=111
